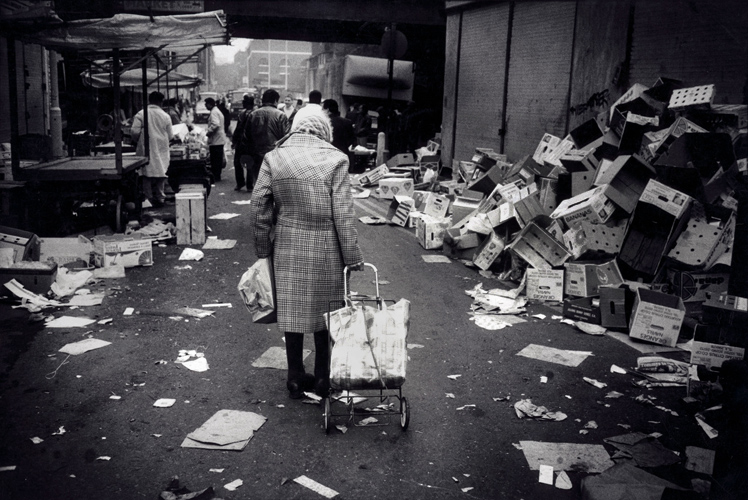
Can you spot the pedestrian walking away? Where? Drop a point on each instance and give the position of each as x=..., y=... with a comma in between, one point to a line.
x=159, y=135
x=265, y=126
x=313, y=107
x=216, y=137
x=342, y=128
x=240, y=143
x=303, y=193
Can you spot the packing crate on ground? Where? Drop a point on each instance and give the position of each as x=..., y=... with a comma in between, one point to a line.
x=488, y=251
x=66, y=251
x=545, y=284
x=592, y=205
x=536, y=245
x=36, y=277
x=584, y=279
x=118, y=249
x=626, y=178
x=656, y=317
x=583, y=309
x=704, y=240
x=190, y=211
x=616, y=303
x=391, y=187
x=460, y=245
x=25, y=245
x=430, y=231
x=399, y=210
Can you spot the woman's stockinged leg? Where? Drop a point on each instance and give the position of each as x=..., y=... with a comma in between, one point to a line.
x=322, y=363
x=298, y=380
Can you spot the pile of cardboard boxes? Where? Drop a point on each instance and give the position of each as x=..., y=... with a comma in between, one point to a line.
x=629, y=220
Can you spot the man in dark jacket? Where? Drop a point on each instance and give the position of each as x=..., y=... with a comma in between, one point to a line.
x=242, y=159
x=265, y=126
x=342, y=128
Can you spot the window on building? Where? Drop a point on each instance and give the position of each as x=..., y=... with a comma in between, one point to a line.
x=283, y=67
x=262, y=66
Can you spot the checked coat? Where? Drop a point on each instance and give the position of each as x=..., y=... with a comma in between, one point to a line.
x=304, y=191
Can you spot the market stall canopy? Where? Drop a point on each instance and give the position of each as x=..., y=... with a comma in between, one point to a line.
x=368, y=77
x=134, y=32
x=134, y=78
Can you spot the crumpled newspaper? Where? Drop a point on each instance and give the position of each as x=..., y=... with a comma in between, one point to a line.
x=526, y=408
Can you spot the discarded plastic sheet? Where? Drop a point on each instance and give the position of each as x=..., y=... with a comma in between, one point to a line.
x=216, y=244
x=493, y=322
x=346, y=396
x=546, y=474
x=69, y=322
x=67, y=282
x=275, y=357
x=436, y=259
x=596, y=383
x=115, y=271
x=193, y=312
x=563, y=482
x=373, y=221
x=316, y=487
x=625, y=481
x=164, y=403
x=700, y=460
x=590, y=458
x=525, y=408
x=589, y=328
x=191, y=254
x=641, y=346
x=233, y=485
x=617, y=369
x=242, y=202
x=553, y=355
x=223, y=216
x=85, y=345
x=645, y=450
x=221, y=304
x=225, y=430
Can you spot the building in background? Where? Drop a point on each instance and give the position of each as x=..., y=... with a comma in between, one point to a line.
x=278, y=64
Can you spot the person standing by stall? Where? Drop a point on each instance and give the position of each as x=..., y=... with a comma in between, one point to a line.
x=159, y=135
x=343, y=137
x=239, y=141
x=216, y=138
x=304, y=194
x=265, y=126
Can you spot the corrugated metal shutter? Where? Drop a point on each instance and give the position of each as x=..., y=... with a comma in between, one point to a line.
x=539, y=65
x=481, y=80
x=698, y=43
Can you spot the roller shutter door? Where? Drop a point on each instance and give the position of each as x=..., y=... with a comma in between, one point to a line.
x=698, y=43
x=481, y=80
x=539, y=65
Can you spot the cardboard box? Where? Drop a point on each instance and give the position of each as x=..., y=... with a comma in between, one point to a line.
x=25, y=245
x=502, y=214
x=726, y=310
x=713, y=355
x=585, y=134
x=461, y=245
x=537, y=246
x=695, y=286
x=462, y=208
x=127, y=251
x=372, y=176
x=190, y=215
x=627, y=177
x=401, y=159
x=702, y=242
x=430, y=231
x=436, y=205
x=399, y=210
x=700, y=97
x=546, y=145
x=584, y=309
x=606, y=238
x=592, y=205
x=64, y=251
x=489, y=250
x=548, y=194
x=575, y=241
x=581, y=165
x=413, y=218
x=389, y=188
x=527, y=208
x=656, y=317
x=36, y=277
x=633, y=132
x=616, y=303
x=545, y=284
x=487, y=181
x=584, y=279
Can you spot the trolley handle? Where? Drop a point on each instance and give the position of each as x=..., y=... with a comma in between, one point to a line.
x=345, y=280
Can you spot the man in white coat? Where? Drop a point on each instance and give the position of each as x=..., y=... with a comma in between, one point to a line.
x=216, y=137
x=159, y=135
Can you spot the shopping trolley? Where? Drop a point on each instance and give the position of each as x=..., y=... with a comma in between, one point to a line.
x=381, y=358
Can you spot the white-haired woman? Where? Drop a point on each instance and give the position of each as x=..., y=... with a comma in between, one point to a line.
x=304, y=192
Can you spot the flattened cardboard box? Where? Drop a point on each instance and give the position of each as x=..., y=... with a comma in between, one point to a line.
x=656, y=317
x=127, y=251
x=545, y=284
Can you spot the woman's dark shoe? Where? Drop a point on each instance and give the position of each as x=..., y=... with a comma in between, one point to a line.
x=298, y=385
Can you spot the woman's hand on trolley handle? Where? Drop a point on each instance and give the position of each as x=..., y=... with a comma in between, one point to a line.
x=359, y=266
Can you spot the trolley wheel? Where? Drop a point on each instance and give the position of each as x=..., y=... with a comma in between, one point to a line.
x=328, y=416
x=404, y=413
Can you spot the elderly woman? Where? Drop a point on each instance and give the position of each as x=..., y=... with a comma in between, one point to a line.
x=303, y=191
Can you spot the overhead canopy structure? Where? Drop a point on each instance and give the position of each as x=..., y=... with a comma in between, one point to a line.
x=134, y=78
x=368, y=77
x=133, y=32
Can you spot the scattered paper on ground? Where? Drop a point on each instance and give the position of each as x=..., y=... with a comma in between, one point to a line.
x=233, y=485
x=594, y=382
x=191, y=254
x=700, y=460
x=710, y=431
x=275, y=357
x=193, y=312
x=436, y=259
x=590, y=458
x=7, y=468
x=164, y=403
x=37, y=440
x=494, y=322
x=645, y=450
x=347, y=397
x=225, y=430
x=626, y=481
x=372, y=221
x=525, y=408
x=590, y=329
x=69, y=322
x=82, y=346
x=223, y=216
x=546, y=474
x=193, y=360
x=216, y=244
x=368, y=421
x=32, y=301
x=563, y=482
x=242, y=202
x=553, y=355
x=316, y=487
x=115, y=271
x=617, y=369
x=365, y=193
x=87, y=299
x=219, y=304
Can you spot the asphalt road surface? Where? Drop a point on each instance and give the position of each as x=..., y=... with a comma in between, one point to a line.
x=463, y=437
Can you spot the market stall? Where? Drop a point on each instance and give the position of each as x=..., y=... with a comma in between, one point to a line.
x=129, y=40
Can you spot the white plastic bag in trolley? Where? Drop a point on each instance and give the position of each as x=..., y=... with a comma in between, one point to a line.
x=369, y=346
